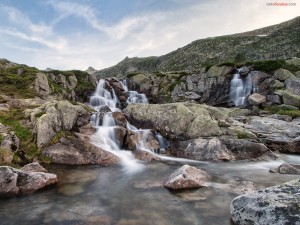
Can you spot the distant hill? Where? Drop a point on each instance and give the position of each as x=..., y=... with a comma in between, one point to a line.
x=279, y=41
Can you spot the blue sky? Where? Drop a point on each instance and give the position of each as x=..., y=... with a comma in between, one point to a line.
x=64, y=34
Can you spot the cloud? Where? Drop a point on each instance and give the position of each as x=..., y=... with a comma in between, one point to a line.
x=139, y=33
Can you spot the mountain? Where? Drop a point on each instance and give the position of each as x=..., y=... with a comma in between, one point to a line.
x=279, y=41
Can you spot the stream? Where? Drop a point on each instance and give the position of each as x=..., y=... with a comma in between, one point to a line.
x=112, y=196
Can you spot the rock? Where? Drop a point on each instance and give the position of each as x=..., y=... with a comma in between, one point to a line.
x=297, y=74
x=87, y=129
x=93, y=79
x=119, y=119
x=282, y=74
x=274, y=99
x=276, y=205
x=72, y=82
x=294, y=61
x=79, y=152
x=34, y=167
x=145, y=155
x=202, y=149
x=286, y=168
x=187, y=177
x=47, y=126
x=6, y=156
x=237, y=186
x=276, y=134
x=120, y=135
x=141, y=139
x=256, y=99
x=293, y=85
x=41, y=84
x=291, y=99
x=18, y=182
x=10, y=141
x=215, y=149
x=69, y=114
x=281, y=117
x=219, y=71
x=61, y=79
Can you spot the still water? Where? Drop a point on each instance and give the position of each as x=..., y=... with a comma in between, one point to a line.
x=111, y=196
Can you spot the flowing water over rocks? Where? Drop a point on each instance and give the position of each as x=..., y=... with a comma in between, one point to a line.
x=106, y=195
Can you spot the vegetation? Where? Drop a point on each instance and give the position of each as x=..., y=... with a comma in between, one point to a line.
x=28, y=149
x=283, y=111
x=17, y=81
x=270, y=66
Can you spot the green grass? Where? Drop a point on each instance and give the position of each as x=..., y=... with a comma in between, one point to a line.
x=283, y=111
x=270, y=66
x=18, y=86
x=28, y=149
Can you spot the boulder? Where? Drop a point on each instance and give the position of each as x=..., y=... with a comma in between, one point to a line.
x=146, y=156
x=72, y=82
x=79, y=152
x=34, y=167
x=18, y=182
x=10, y=141
x=294, y=61
x=293, y=85
x=290, y=98
x=276, y=205
x=141, y=139
x=93, y=79
x=278, y=135
x=286, y=168
x=256, y=99
x=119, y=119
x=187, y=177
x=219, y=71
x=282, y=74
x=41, y=84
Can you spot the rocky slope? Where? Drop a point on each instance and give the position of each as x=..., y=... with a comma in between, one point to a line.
x=275, y=42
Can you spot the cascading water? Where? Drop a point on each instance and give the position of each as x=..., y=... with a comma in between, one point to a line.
x=240, y=89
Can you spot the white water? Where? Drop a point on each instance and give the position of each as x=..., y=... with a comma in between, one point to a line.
x=240, y=89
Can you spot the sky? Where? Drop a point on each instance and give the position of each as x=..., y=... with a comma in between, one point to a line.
x=65, y=34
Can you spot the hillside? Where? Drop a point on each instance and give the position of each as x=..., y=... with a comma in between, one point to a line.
x=279, y=41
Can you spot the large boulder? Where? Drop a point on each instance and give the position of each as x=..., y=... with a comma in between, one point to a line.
x=256, y=99
x=286, y=168
x=187, y=177
x=276, y=205
x=282, y=74
x=18, y=182
x=278, y=135
x=217, y=149
x=78, y=151
x=41, y=84
x=293, y=85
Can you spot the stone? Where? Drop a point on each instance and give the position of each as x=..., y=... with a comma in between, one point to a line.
x=277, y=135
x=286, y=168
x=69, y=114
x=72, y=82
x=119, y=119
x=79, y=152
x=275, y=205
x=10, y=141
x=34, y=167
x=87, y=129
x=219, y=71
x=120, y=135
x=256, y=99
x=291, y=99
x=294, y=61
x=138, y=140
x=282, y=74
x=293, y=85
x=187, y=177
x=274, y=99
x=93, y=79
x=61, y=79
x=146, y=156
x=41, y=84
x=6, y=156
x=281, y=117
x=18, y=182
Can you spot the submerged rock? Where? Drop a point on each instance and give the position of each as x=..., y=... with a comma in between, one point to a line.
x=19, y=182
x=187, y=177
x=276, y=205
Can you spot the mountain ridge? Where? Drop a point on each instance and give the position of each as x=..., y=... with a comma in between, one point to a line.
x=279, y=41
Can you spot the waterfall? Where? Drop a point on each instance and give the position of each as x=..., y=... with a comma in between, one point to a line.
x=105, y=136
x=240, y=89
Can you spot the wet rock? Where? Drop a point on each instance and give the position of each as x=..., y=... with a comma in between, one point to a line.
x=276, y=205
x=187, y=177
x=282, y=74
x=202, y=149
x=41, y=84
x=70, y=189
x=119, y=119
x=145, y=155
x=235, y=186
x=141, y=139
x=276, y=134
x=256, y=99
x=34, y=167
x=79, y=152
x=87, y=129
x=18, y=182
x=120, y=135
x=286, y=168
